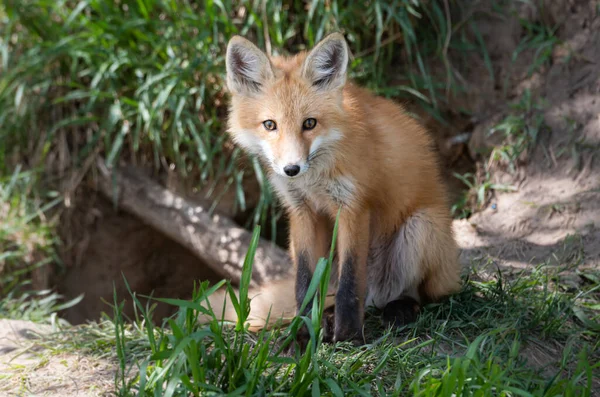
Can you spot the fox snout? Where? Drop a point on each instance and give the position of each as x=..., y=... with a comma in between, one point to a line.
x=287, y=157
x=292, y=169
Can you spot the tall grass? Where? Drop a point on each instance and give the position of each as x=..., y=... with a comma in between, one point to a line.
x=23, y=230
x=143, y=81
x=216, y=357
x=26, y=247
x=500, y=336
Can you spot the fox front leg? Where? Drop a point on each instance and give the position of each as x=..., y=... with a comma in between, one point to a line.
x=353, y=243
x=310, y=238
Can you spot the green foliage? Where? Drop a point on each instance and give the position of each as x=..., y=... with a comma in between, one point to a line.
x=541, y=38
x=25, y=234
x=218, y=358
x=37, y=306
x=26, y=246
x=143, y=80
x=520, y=131
x=483, y=341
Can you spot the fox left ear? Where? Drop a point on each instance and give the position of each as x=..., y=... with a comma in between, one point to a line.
x=327, y=63
x=248, y=68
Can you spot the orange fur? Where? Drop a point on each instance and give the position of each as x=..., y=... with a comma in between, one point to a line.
x=376, y=162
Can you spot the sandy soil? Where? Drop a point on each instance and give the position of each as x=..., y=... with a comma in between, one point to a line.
x=555, y=210
x=29, y=367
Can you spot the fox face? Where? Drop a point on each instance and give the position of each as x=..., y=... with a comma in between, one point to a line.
x=287, y=111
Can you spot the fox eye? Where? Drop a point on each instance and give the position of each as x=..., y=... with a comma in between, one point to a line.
x=309, y=124
x=269, y=125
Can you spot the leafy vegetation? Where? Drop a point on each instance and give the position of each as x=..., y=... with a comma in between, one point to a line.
x=476, y=197
x=522, y=334
x=143, y=80
x=26, y=248
x=25, y=236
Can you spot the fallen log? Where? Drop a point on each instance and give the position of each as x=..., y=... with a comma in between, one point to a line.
x=215, y=239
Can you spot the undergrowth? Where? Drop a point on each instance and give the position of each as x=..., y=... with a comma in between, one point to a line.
x=143, y=81
x=26, y=248
x=523, y=334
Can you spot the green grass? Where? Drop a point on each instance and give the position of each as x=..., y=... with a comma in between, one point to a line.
x=27, y=245
x=520, y=131
x=477, y=195
x=539, y=40
x=520, y=334
x=143, y=81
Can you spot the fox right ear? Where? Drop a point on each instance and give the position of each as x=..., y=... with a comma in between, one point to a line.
x=247, y=66
x=326, y=64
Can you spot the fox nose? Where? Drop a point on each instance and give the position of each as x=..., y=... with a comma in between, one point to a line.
x=291, y=169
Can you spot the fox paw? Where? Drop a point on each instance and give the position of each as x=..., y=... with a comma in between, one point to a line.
x=303, y=336
x=401, y=312
x=346, y=332
x=328, y=324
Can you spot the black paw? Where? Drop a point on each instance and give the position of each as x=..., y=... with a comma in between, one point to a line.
x=303, y=336
x=345, y=333
x=401, y=312
x=328, y=324
x=302, y=339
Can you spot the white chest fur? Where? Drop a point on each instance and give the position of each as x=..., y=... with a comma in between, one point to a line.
x=316, y=191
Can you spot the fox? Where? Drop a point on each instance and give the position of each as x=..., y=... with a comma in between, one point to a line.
x=328, y=144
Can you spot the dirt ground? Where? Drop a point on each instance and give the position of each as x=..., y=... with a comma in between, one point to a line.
x=110, y=246
x=29, y=367
x=555, y=210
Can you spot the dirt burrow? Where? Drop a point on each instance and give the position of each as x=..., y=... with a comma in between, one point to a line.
x=107, y=247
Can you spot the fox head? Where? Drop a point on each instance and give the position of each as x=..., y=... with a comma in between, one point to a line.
x=288, y=111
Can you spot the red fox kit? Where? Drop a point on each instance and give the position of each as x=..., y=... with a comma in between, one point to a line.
x=326, y=144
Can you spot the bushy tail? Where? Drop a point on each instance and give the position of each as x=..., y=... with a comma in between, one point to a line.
x=271, y=304
x=276, y=297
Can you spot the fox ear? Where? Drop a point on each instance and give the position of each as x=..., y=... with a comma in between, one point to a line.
x=247, y=66
x=327, y=63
